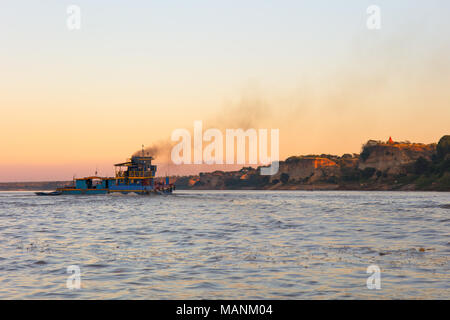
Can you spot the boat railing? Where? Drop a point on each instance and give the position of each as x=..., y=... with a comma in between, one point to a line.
x=134, y=174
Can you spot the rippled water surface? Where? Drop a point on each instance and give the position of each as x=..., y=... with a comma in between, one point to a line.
x=226, y=245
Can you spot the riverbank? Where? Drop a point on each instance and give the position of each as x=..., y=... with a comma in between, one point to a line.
x=387, y=166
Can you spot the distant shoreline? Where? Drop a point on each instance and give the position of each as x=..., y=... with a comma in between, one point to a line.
x=381, y=166
x=32, y=185
x=52, y=185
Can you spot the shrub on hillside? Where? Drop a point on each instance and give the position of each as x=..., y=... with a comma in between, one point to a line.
x=443, y=147
x=367, y=172
x=284, y=177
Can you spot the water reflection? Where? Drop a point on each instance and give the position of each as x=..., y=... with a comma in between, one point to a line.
x=225, y=245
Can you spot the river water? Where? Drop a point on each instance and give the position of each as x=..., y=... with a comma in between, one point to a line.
x=226, y=245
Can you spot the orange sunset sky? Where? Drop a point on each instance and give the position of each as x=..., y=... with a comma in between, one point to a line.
x=76, y=100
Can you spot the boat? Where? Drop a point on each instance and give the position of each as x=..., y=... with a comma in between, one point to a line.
x=137, y=175
x=52, y=193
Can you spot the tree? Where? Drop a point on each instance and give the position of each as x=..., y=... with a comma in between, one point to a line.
x=365, y=153
x=284, y=177
x=443, y=147
x=422, y=166
x=368, y=172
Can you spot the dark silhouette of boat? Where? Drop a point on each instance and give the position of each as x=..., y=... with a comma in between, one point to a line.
x=53, y=193
x=137, y=175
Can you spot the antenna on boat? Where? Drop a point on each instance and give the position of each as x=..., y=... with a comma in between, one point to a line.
x=168, y=167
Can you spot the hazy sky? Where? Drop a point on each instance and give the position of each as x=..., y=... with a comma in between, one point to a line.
x=74, y=100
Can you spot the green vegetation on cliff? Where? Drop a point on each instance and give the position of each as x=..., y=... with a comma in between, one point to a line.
x=434, y=174
x=380, y=166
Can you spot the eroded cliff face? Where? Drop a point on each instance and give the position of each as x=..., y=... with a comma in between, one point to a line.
x=393, y=158
x=306, y=169
x=380, y=166
x=214, y=180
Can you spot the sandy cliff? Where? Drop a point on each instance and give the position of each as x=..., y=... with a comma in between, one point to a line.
x=393, y=158
x=380, y=166
x=303, y=169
